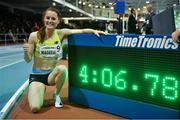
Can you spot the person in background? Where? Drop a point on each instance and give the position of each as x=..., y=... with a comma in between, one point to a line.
x=119, y=26
x=132, y=22
x=138, y=25
x=148, y=19
x=44, y=47
x=12, y=36
x=110, y=28
x=175, y=35
x=36, y=27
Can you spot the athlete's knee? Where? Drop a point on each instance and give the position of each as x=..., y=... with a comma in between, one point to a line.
x=35, y=109
x=62, y=69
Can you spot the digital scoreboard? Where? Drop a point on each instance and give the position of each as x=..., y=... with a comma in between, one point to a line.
x=133, y=76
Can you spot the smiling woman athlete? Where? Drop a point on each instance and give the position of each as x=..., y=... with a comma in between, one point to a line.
x=44, y=47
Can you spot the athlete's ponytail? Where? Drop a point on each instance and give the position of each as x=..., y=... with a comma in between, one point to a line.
x=41, y=34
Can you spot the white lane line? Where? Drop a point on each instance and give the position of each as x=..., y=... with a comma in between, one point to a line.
x=8, y=56
x=9, y=105
x=11, y=64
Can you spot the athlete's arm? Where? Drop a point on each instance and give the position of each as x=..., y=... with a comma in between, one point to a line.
x=67, y=32
x=176, y=35
x=29, y=47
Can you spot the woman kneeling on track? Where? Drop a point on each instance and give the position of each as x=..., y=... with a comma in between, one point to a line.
x=44, y=46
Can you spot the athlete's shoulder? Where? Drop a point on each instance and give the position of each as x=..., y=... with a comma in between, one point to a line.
x=64, y=30
x=33, y=36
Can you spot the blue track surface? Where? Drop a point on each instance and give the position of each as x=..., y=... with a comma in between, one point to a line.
x=14, y=71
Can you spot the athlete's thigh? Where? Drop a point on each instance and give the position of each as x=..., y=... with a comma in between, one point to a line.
x=52, y=76
x=36, y=94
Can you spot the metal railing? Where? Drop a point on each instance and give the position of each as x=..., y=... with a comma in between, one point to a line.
x=9, y=38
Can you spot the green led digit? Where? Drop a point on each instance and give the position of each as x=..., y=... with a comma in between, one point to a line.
x=94, y=74
x=134, y=87
x=119, y=82
x=83, y=74
x=106, y=76
x=155, y=79
x=170, y=88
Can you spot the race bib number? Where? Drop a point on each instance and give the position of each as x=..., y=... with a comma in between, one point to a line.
x=50, y=51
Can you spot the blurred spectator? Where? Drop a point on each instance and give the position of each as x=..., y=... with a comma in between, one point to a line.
x=138, y=25
x=11, y=35
x=36, y=27
x=148, y=20
x=14, y=21
x=32, y=22
x=110, y=28
x=119, y=26
x=132, y=22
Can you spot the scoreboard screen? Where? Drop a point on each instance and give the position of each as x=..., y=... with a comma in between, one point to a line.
x=136, y=74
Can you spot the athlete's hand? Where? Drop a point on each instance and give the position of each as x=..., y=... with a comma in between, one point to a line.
x=175, y=35
x=97, y=32
x=26, y=46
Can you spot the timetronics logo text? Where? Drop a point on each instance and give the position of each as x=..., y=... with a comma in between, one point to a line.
x=146, y=42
